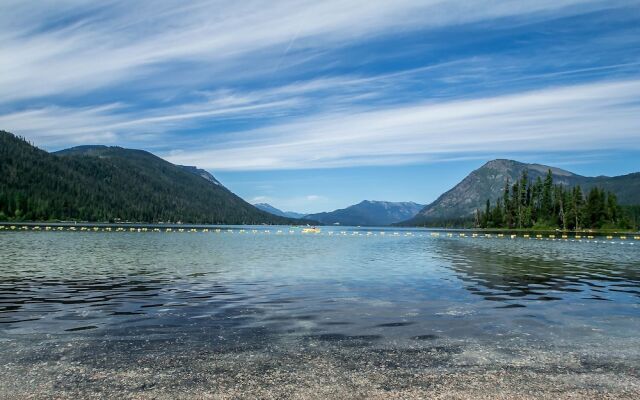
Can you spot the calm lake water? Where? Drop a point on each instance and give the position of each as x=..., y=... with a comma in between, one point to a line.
x=82, y=296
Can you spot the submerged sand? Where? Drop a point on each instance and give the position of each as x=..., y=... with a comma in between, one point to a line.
x=310, y=369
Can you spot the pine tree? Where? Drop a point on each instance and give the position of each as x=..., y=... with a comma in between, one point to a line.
x=613, y=209
x=508, y=209
x=487, y=214
x=595, y=213
x=578, y=206
x=561, y=212
x=497, y=215
x=547, y=200
x=536, y=193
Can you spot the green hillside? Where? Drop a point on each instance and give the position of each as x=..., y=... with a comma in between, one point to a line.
x=99, y=183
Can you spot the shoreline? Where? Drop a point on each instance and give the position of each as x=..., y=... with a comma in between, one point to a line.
x=42, y=225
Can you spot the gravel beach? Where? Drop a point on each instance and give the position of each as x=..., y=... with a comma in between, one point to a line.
x=317, y=368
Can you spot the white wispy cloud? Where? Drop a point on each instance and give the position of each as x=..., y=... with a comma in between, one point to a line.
x=54, y=126
x=61, y=53
x=582, y=117
x=324, y=97
x=65, y=48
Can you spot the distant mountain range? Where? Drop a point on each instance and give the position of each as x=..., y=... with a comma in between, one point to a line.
x=488, y=181
x=369, y=213
x=275, y=211
x=100, y=183
x=365, y=213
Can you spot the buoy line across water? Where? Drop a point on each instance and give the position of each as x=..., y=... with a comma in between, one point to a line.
x=311, y=232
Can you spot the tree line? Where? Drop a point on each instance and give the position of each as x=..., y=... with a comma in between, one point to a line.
x=541, y=204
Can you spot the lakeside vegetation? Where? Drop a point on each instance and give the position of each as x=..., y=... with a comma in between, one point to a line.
x=543, y=205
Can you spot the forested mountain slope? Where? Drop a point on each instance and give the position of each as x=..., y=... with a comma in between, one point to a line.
x=100, y=183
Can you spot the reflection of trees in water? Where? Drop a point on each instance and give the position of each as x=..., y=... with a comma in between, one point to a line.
x=502, y=272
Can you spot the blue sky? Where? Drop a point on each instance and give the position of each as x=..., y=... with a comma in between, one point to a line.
x=313, y=106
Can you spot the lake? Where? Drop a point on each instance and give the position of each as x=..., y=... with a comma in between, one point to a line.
x=349, y=312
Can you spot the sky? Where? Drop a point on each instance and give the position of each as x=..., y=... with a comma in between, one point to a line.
x=312, y=106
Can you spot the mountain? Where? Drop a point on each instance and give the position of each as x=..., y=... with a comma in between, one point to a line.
x=369, y=213
x=488, y=181
x=275, y=211
x=201, y=173
x=100, y=183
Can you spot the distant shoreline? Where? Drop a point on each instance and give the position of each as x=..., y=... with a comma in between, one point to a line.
x=150, y=225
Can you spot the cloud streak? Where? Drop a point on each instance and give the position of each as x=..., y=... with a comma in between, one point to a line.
x=240, y=86
x=581, y=117
x=68, y=48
